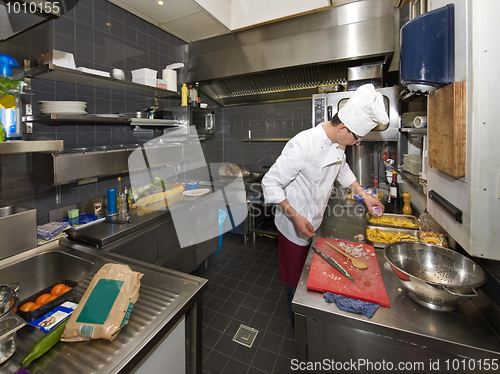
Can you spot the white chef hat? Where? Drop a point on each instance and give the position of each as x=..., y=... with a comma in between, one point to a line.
x=364, y=110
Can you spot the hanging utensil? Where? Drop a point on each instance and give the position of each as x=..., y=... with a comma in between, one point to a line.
x=358, y=264
x=334, y=263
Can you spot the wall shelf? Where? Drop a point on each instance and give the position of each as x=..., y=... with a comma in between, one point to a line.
x=54, y=119
x=22, y=146
x=413, y=130
x=266, y=140
x=61, y=74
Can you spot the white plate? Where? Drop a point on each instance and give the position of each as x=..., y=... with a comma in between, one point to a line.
x=197, y=192
x=75, y=112
x=63, y=102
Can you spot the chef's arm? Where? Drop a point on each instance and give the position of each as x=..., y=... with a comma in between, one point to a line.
x=370, y=201
x=301, y=224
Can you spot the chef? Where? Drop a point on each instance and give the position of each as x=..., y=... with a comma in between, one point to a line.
x=302, y=178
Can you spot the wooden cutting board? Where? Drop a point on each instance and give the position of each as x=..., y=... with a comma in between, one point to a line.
x=446, y=128
x=369, y=284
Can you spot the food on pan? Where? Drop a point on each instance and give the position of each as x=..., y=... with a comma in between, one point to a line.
x=381, y=220
x=432, y=237
x=28, y=306
x=377, y=235
x=58, y=289
x=151, y=199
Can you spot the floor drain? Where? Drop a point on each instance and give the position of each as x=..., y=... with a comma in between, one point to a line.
x=245, y=336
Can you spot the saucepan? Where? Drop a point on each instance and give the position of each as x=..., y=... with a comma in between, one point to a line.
x=9, y=321
x=435, y=277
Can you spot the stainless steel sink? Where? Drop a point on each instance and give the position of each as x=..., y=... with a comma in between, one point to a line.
x=43, y=270
x=17, y=230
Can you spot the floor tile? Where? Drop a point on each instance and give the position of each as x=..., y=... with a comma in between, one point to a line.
x=264, y=360
x=245, y=289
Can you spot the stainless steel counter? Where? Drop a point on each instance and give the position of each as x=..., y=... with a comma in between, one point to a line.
x=165, y=297
x=405, y=332
x=102, y=233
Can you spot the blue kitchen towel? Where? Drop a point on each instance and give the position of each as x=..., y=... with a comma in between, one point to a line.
x=51, y=229
x=351, y=305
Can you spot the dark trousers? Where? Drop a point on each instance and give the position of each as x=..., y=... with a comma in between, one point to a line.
x=290, y=291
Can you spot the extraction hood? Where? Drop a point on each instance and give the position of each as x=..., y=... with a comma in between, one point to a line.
x=290, y=59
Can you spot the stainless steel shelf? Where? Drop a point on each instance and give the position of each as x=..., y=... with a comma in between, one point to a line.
x=22, y=146
x=54, y=119
x=60, y=74
x=413, y=130
x=266, y=140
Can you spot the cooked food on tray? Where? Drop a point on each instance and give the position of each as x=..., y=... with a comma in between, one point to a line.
x=377, y=235
x=381, y=220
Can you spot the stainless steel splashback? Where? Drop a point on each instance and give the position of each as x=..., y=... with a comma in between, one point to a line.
x=289, y=59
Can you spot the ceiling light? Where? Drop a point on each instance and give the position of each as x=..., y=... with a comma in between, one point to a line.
x=160, y=2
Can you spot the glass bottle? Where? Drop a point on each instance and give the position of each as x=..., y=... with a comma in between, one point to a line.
x=394, y=191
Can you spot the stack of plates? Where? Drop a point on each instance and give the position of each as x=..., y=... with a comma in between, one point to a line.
x=412, y=164
x=63, y=107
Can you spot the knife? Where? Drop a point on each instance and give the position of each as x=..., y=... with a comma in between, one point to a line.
x=334, y=263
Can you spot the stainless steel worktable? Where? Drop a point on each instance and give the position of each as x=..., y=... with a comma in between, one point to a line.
x=406, y=333
x=165, y=297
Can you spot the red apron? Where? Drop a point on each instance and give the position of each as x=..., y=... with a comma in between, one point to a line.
x=291, y=260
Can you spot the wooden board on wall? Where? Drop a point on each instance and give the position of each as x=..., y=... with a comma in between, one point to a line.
x=446, y=129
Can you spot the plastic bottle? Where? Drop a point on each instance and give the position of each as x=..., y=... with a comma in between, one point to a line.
x=10, y=102
x=184, y=95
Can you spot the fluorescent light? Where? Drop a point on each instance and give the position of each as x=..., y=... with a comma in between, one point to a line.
x=160, y=2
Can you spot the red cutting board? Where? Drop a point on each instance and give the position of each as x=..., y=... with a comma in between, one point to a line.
x=369, y=284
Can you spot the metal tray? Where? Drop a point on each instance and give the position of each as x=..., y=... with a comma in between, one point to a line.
x=411, y=232
x=402, y=217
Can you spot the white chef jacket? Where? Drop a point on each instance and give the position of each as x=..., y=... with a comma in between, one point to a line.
x=304, y=175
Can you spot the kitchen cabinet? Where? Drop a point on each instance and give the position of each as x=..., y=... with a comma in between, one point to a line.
x=140, y=246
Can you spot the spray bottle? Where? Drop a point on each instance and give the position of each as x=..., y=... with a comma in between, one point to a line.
x=10, y=99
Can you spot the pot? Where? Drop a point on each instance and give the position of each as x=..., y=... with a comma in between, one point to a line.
x=435, y=277
x=8, y=294
x=9, y=324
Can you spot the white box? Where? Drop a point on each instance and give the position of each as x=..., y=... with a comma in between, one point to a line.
x=146, y=81
x=144, y=73
x=58, y=58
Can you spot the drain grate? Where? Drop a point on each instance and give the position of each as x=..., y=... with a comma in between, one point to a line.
x=245, y=336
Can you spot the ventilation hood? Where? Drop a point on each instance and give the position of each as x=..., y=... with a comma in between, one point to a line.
x=290, y=59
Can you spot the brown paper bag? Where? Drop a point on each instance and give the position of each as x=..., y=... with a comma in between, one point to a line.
x=106, y=305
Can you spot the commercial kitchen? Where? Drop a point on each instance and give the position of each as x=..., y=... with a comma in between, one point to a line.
x=143, y=133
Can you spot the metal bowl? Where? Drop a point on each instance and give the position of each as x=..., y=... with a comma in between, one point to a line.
x=435, y=277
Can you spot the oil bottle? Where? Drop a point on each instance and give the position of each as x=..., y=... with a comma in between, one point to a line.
x=10, y=99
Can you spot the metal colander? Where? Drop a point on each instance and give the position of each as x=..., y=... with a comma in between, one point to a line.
x=434, y=276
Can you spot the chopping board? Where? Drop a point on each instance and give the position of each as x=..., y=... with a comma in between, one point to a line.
x=369, y=284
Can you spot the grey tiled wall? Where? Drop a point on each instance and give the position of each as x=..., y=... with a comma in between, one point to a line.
x=279, y=120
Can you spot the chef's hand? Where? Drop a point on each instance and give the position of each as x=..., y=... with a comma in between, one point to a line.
x=300, y=223
x=303, y=226
x=371, y=202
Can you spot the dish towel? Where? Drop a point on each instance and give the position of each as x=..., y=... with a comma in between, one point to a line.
x=51, y=229
x=351, y=305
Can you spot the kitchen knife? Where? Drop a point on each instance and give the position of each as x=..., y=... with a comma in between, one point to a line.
x=334, y=263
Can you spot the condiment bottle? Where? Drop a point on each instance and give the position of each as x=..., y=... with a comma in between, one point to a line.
x=184, y=95
x=198, y=98
x=407, y=200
